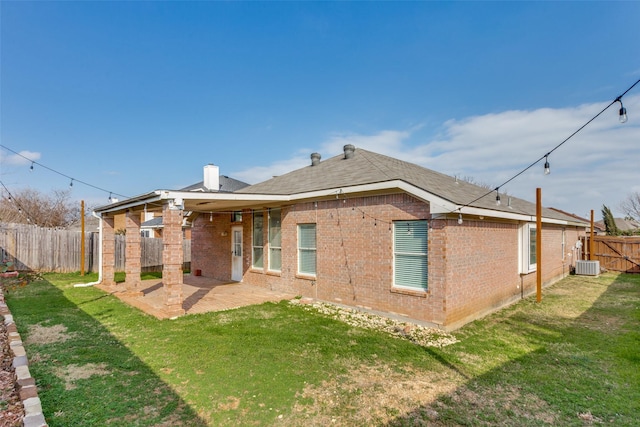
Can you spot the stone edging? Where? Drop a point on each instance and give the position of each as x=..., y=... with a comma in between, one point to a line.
x=26, y=383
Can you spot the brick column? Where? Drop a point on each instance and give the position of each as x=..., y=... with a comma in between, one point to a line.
x=172, y=259
x=133, y=253
x=108, y=252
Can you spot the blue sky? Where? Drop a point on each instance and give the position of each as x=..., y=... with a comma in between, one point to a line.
x=136, y=96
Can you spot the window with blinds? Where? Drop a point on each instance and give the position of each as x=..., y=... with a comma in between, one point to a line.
x=275, y=240
x=307, y=249
x=257, y=259
x=528, y=248
x=410, y=254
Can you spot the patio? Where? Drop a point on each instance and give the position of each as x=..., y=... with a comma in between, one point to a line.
x=200, y=295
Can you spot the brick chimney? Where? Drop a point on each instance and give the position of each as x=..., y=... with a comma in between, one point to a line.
x=212, y=177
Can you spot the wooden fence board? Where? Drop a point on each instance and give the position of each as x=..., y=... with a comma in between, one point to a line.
x=616, y=253
x=51, y=250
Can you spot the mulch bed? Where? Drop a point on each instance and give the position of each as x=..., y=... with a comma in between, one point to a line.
x=11, y=408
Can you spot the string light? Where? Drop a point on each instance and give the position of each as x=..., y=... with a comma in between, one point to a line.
x=33, y=163
x=622, y=112
x=547, y=168
x=460, y=218
x=623, y=119
x=498, y=202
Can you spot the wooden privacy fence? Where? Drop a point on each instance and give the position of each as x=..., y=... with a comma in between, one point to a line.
x=51, y=250
x=616, y=253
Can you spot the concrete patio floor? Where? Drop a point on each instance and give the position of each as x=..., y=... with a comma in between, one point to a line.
x=200, y=295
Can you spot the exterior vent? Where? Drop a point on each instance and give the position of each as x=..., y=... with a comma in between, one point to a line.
x=348, y=150
x=587, y=268
x=315, y=159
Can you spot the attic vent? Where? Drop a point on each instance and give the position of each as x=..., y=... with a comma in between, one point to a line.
x=315, y=159
x=587, y=268
x=349, y=149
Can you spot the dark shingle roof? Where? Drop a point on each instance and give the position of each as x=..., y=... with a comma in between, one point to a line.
x=227, y=185
x=366, y=167
x=153, y=222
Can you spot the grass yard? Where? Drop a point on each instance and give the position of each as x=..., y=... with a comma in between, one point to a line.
x=572, y=360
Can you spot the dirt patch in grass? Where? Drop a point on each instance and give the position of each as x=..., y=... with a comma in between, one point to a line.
x=72, y=373
x=370, y=395
x=231, y=403
x=39, y=334
x=487, y=404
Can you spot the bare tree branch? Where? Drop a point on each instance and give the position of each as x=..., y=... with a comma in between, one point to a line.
x=631, y=206
x=30, y=206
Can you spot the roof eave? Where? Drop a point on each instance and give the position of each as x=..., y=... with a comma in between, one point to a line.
x=438, y=205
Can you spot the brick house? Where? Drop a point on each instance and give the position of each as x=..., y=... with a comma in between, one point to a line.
x=364, y=230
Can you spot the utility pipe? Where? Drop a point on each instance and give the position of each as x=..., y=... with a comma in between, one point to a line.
x=97, y=282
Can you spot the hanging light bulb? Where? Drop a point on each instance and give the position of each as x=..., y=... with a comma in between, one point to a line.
x=110, y=198
x=210, y=216
x=71, y=183
x=460, y=218
x=31, y=167
x=547, y=168
x=623, y=113
x=498, y=196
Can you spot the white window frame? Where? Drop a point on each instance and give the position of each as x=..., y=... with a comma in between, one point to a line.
x=254, y=247
x=406, y=227
x=313, y=250
x=525, y=249
x=272, y=247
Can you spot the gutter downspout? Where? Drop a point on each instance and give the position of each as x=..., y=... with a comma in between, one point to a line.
x=97, y=282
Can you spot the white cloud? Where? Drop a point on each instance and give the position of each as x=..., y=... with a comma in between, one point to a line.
x=599, y=165
x=23, y=158
x=262, y=173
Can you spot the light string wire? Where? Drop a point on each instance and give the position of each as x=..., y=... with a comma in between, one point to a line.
x=72, y=180
x=618, y=99
x=20, y=209
x=364, y=214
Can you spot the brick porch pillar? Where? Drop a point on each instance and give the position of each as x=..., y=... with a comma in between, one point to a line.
x=108, y=252
x=172, y=259
x=133, y=253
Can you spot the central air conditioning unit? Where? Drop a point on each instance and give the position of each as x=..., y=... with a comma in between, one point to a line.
x=587, y=268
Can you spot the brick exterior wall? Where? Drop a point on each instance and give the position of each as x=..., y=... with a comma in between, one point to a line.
x=108, y=251
x=473, y=267
x=133, y=252
x=172, y=259
x=211, y=235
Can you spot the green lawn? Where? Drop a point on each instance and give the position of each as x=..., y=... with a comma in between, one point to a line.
x=571, y=360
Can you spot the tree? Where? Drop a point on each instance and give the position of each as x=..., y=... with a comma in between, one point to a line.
x=609, y=221
x=30, y=206
x=631, y=205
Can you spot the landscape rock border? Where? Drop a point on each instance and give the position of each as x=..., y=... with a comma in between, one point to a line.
x=25, y=383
